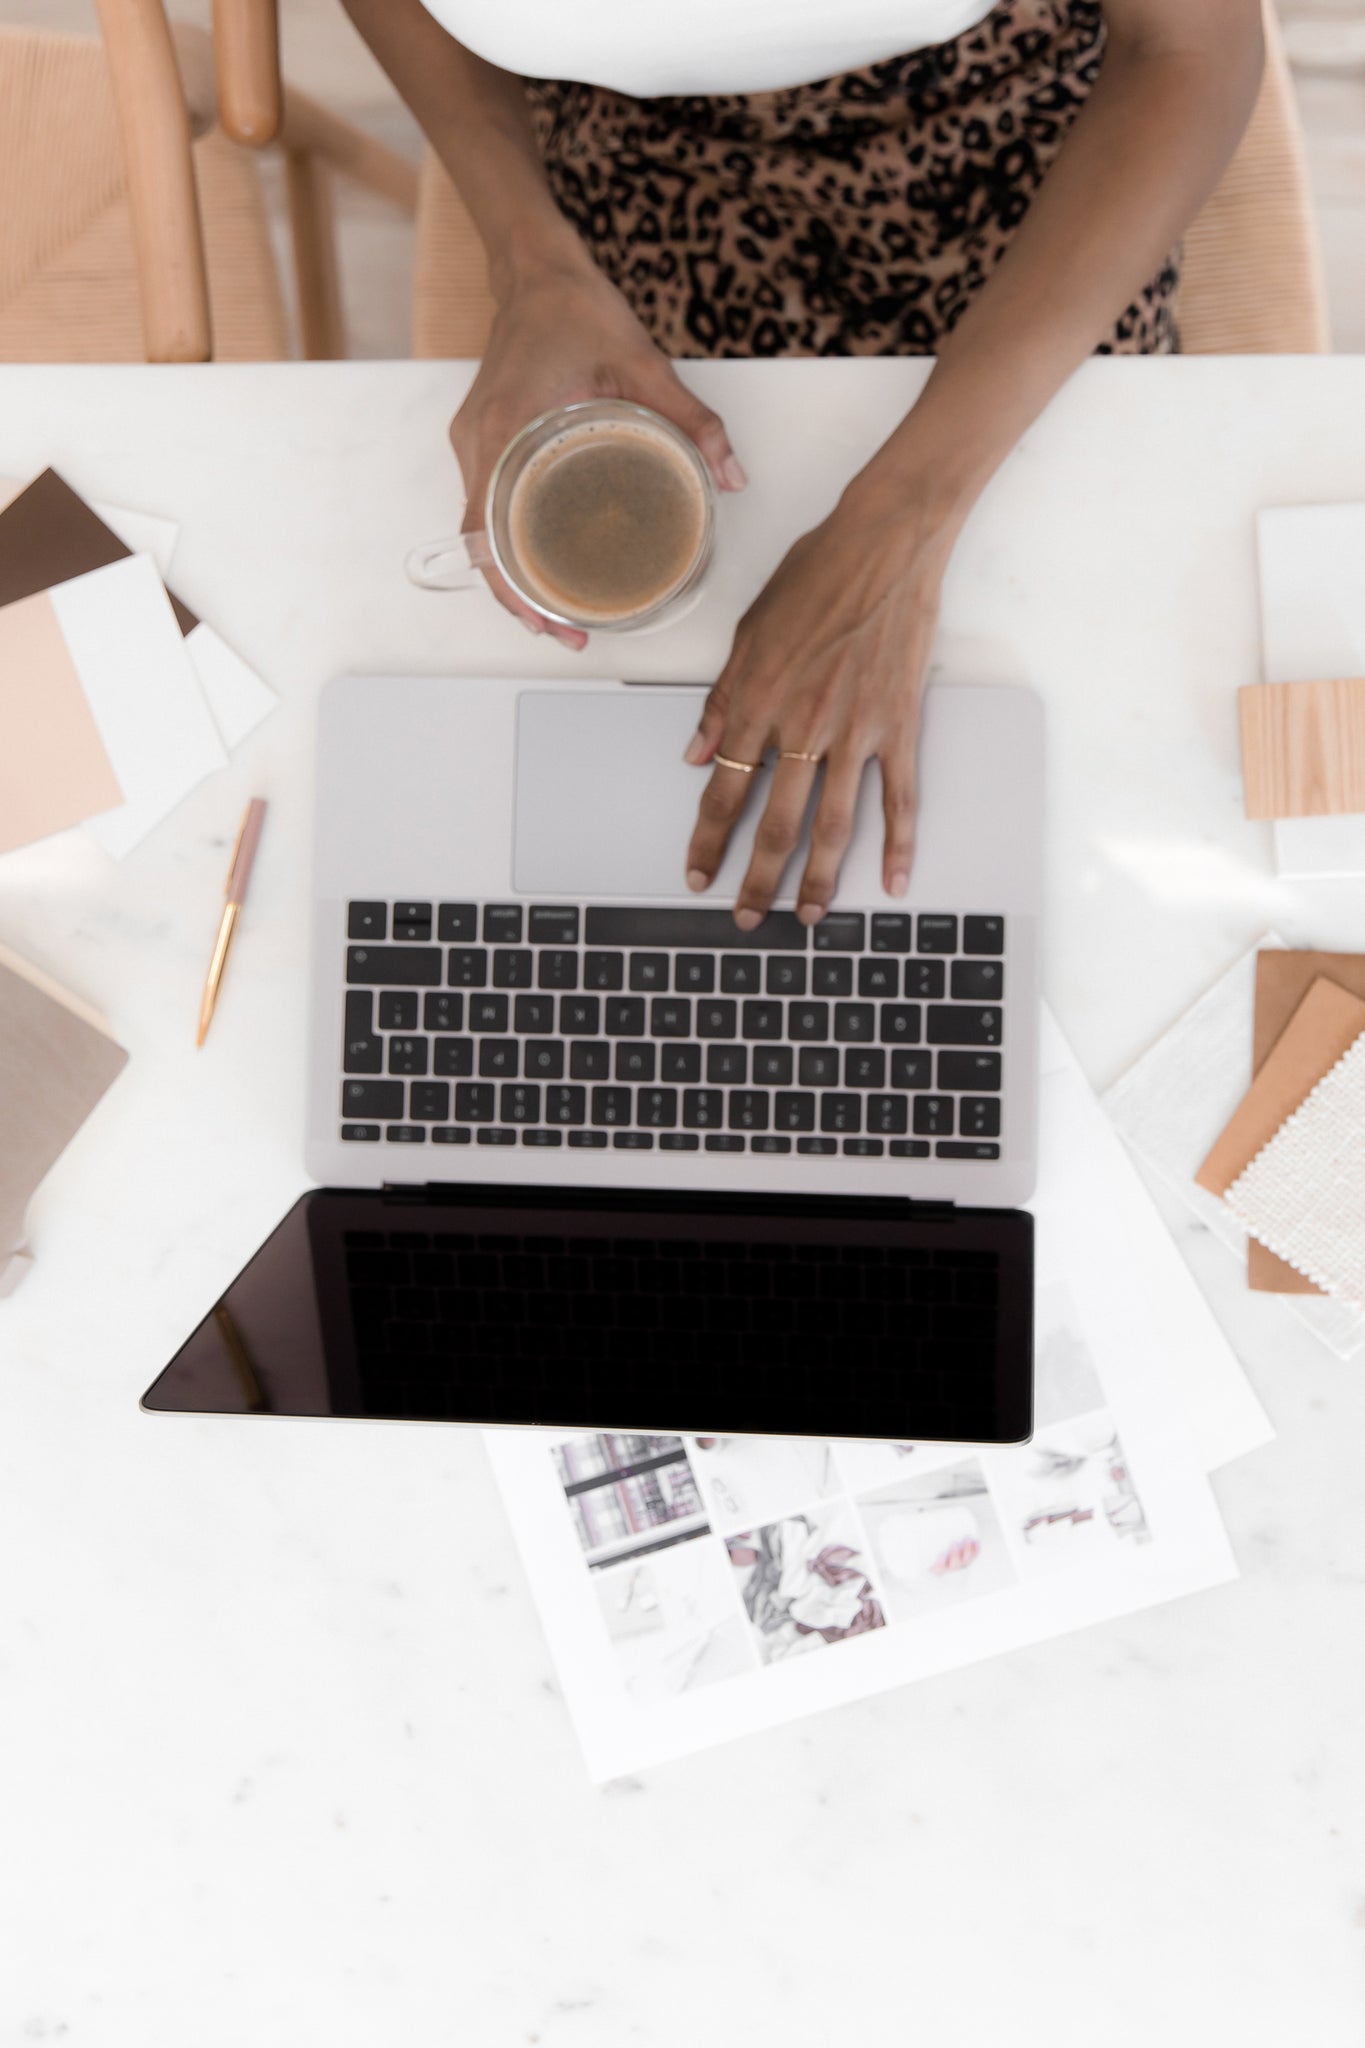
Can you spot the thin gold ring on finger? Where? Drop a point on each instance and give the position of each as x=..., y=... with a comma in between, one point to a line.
x=744, y=767
x=794, y=754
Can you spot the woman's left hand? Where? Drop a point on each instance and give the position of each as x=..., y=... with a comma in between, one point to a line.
x=829, y=661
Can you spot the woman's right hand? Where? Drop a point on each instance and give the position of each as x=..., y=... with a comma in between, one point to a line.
x=556, y=337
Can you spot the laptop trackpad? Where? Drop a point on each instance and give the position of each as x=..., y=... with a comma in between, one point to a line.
x=605, y=803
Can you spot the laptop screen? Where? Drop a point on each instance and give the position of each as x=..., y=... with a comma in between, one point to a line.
x=602, y=1310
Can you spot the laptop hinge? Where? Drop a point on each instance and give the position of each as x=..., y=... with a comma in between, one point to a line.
x=447, y=1190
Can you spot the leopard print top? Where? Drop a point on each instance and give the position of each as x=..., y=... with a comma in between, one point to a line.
x=854, y=216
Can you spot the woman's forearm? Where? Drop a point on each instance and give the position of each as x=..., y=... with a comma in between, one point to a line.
x=1149, y=146
x=475, y=118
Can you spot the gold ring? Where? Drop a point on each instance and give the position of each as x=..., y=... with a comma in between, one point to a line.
x=744, y=767
x=791, y=754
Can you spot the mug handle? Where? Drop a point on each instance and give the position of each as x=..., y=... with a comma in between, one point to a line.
x=457, y=563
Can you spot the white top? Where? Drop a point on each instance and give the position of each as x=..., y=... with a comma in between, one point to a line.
x=705, y=46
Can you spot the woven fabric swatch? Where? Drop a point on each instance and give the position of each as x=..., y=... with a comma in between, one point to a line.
x=1304, y=1192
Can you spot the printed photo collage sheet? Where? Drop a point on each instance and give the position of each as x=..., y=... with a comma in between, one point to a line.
x=697, y=1588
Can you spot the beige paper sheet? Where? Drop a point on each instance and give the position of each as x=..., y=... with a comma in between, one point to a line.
x=54, y=770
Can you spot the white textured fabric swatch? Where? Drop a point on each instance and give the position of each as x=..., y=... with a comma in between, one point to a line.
x=1304, y=1192
x=1173, y=1102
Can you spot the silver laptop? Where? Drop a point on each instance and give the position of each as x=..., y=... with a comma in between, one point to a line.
x=512, y=983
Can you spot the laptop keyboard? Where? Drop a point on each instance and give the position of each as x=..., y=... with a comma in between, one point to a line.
x=873, y=1035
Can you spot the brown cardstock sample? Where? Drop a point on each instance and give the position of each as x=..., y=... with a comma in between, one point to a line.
x=1327, y=1021
x=1303, y=748
x=54, y=770
x=1282, y=981
x=48, y=535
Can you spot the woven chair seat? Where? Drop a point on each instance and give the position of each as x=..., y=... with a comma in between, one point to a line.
x=68, y=277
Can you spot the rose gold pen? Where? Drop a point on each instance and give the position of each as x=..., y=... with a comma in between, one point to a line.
x=239, y=874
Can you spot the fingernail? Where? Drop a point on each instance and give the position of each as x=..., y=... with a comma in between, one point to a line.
x=695, y=748
x=531, y=625
x=732, y=474
x=697, y=878
x=748, y=920
x=810, y=913
x=899, y=882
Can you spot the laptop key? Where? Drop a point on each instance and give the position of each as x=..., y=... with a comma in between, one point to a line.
x=983, y=934
x=725, y=1142
x=727, y=1064
x=694, y=974
x=429, y=1101
x=770, y=1141
x=542, y=1137
x=566, y=1105
x=977, y=980
x=556, y=969
x=678, y=1141
x=457, y=922
x=604, y=970
x=513, y=967
x=449, y=1134
x=442, y=1011
x=634, y=1062
x=367, y=921
x=854, y=1023
x=580, y=1015
x=657, y=1108
x=878, y=977
x=937, y=934
x=749, y=1109
x=405, y=1134
x=717, y=1019
x=398, y=1010
x=702, y=1107
x=412, y=920
x=611, y=1105
x=900, y=1023
x=542, y=1059
x=474, y=1102
x=740, y=975
x=807, y=1021
x=924, y=978
x=467, y=967
x=968, y=1070
x=408, y=1055
x=773, y=1066
x=670, y=1017
x=590, y=1141
x=625, y=1017
x=887, y=1115
x=502, y=924
x=961, y=1024
x=794, y=1112
x=552, y=925
x=589, y=1060
x=817, y=1066
x=762, y=1020
x=890, y=932
x=912, y=1070
x=534, y=1013
x=394, y=966
x=359, y=1134
x=786, y=974
x=831, y=977
x=633, y=1141
x=497, y=1136
x=909, y=1148
x=649, y=971
x=864, y=1148
x=841, y=1113
x=519, y=1103
x=821, y=1146
x=864, y=1068
x=979, y=1116
x=655, y=925
x=680, y=1063
x=498, y=1058
x=841, y=931
x=452, y=1057
x=363, y=1053
x=488, y=1013
x=933, y=1116
x=958, y=1149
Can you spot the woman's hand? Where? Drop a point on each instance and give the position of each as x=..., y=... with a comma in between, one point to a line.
x=828, y=662
x=559, y=336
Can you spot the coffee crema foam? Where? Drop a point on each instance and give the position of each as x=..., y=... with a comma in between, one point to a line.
x=606, y=521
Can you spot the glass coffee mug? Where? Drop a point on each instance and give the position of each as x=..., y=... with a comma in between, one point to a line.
x=600, y=515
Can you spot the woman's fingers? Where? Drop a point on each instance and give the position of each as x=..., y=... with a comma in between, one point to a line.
x=899, y=805
x=672, y=398
x=774, y=841
x=831, y=832
x=725, y=795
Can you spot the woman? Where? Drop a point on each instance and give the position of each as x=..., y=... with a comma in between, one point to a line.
x=1001, y=186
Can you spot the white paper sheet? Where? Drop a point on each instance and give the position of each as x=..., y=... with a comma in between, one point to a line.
x=1312, y=571
x=143, y=693
x=236, y=696
x=868, y=1565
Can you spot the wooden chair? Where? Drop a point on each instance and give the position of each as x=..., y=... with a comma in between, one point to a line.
x=1252, y=279
x=133, y=227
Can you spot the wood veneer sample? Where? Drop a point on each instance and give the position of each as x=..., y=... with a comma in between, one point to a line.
x=1303, y=748
x=1282, y=981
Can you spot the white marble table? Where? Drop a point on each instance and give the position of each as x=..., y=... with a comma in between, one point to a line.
x=281, y=1756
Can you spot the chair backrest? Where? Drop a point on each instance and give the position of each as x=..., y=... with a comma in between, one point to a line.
x=1251, y=282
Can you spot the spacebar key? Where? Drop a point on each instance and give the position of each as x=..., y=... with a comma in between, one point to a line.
x=395, y=966
x=609, y=924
